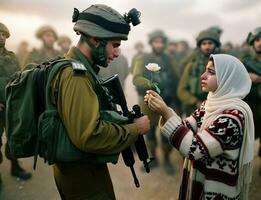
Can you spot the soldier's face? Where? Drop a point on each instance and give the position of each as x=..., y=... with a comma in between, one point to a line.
x=2, y=39
x=257, y=45
x=209, y=78
x=207, y=47
x=113, y=49
x=157, y=44
x=172, y=48
x=48, y=38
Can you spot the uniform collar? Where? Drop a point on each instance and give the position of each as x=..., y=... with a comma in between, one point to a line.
x=72, y=54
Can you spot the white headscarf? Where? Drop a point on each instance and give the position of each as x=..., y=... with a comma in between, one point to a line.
x=233, y=84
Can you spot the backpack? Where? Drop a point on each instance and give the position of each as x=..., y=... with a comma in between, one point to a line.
x=33, y=125
x=25, y=101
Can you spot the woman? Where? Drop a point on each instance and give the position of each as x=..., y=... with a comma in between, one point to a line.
x=218, y=138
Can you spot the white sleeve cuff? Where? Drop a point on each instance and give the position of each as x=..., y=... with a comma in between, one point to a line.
x=169, y=127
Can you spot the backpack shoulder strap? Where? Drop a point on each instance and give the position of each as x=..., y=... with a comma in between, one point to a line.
x=56, y=67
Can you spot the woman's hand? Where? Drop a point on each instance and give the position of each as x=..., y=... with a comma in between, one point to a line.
x=157, y=104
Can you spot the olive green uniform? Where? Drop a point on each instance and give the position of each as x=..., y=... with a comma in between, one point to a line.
x=8, y=66
x=40, y=55
x=253, y=65
x=78, y=107
x=189, y=87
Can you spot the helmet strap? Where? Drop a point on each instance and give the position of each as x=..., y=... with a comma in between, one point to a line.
x=98, y=53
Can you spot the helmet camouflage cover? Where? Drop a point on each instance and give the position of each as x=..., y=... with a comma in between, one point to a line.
x=44, y=29
x=156, y=34
x=101, y=21
x=208, y=35
x=256, y=33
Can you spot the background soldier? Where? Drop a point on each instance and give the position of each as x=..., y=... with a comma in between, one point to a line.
x=189, y=88
x=8, y=66
x=22, y=52
x=64, y=42
x=253, y=65
x=166, y=80
x=139, y=48
x=80, y=100
x=48, y=37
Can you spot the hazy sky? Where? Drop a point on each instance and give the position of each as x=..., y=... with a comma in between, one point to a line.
x=180, y=19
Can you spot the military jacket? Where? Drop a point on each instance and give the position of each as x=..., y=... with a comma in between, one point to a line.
x=41, y=55
x=253, y=65
x=79, y=108
x=8, y=66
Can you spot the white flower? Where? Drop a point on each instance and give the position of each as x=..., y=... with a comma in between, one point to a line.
x=154, y=67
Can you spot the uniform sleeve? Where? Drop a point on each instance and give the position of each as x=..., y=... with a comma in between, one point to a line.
x=184, y=95
x=79, y=108
x=138, y=78
x=5, y=78
x=225, y=133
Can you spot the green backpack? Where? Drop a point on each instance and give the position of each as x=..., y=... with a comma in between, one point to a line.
x=25, y=102
x=33, y=125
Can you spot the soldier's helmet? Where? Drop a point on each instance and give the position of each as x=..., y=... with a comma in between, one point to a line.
x=208, y=35
x=256, y=33
x=157, y=34
x=216, y=29
x=4, y=29
x=101, y=21
x=63, y=38
x=44, y=29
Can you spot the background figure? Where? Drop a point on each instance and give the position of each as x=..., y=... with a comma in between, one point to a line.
x=182, y=52
x=244, y=50
x=48, y=36
x=139, y=51
x=118, y=66
x=189, y=87
x=64, y=42
x=252, y=63
x=165, y=78
x=171, y=51
x=22, y=52
x=8, y=66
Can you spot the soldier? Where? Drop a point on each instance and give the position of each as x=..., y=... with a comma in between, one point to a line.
x=253, y=66
x=189, y=87
x=22, y=52
x=171, y=50
x=166, y=77
x=139, y=48
x=8, y=66
x=79, y=100
x=48, y=37
x=64, y=42
x=193, y=54
x=118, y=66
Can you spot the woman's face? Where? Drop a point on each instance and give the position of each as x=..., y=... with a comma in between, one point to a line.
x=209, y=78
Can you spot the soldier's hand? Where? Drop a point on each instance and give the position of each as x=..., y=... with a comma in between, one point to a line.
x=143, y=124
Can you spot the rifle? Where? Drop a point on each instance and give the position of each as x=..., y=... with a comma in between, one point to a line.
x=115, y=90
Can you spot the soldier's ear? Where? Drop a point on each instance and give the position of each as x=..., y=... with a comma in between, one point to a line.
x=95, y=41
